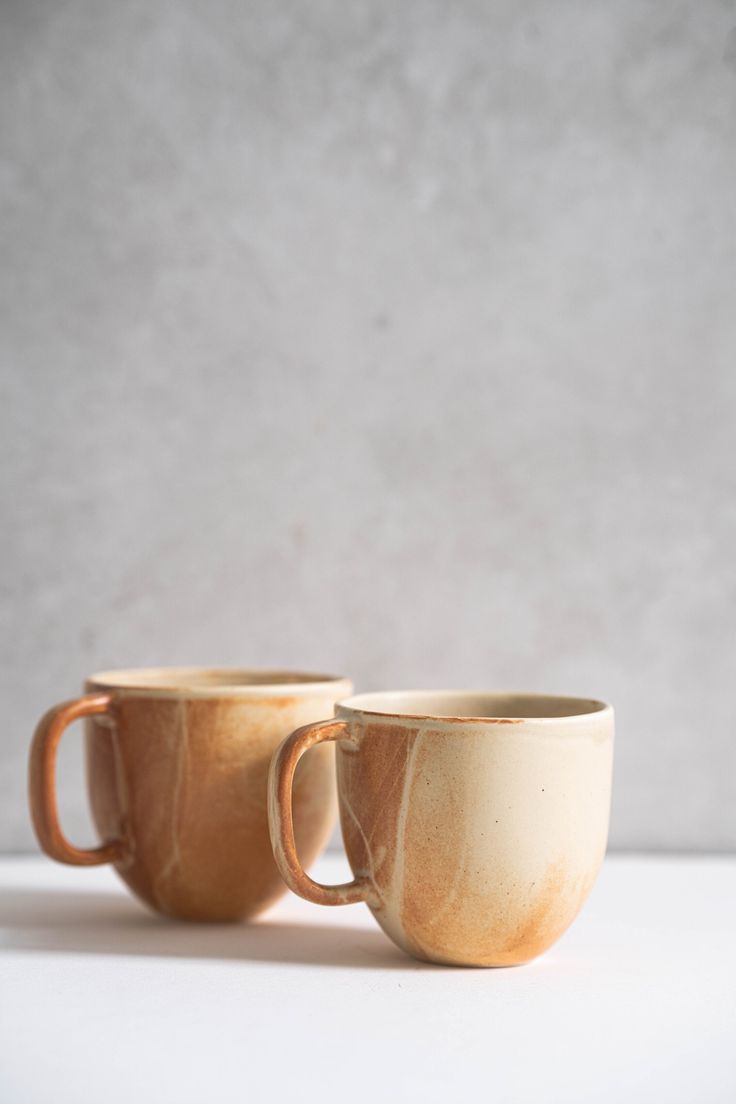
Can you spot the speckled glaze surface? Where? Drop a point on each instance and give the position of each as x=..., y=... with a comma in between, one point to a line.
x=177, y=765
x=475, y=824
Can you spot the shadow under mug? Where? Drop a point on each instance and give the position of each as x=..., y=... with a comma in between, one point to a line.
x=475, y=823
x=177, y=768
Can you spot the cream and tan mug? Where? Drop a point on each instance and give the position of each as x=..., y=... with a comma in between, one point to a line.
x=177, y=769
x=475, y=823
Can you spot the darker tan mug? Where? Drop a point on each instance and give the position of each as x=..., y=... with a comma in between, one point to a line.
x=177, y=768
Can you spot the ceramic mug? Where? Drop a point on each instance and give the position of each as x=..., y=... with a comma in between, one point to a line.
x=177, y=766
x=475, y=823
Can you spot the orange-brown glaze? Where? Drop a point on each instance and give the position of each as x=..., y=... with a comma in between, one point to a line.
x=178, y=789
x=184, y=782
x=371, y=788
x=538, y=923
x=284, y=703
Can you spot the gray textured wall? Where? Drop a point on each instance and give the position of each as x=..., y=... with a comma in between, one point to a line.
x=390, y=338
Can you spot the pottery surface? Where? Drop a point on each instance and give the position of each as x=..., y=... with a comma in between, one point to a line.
x=177, y=766
x=475, y=823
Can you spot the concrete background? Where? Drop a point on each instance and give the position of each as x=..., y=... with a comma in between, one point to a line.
x=390, y=339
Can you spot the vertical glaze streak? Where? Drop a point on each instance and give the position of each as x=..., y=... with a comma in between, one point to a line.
x=394, y=900
x=370, y=871
x=122, y=790
x=180, y=737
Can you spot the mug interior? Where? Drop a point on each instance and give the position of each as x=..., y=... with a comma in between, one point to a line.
x=218, y=680
x=472, y=705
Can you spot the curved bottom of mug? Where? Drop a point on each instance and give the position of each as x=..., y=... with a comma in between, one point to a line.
x=491, y=954
x=472, y=964
x=193, y=911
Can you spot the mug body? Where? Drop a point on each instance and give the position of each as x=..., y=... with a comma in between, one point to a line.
x=479, y=820
x=178, y=768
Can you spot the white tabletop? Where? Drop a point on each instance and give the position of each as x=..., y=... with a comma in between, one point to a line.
x=102, y=1002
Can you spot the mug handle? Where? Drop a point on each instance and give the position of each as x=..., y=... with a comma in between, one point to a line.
x=281, y=819
x=42, y=784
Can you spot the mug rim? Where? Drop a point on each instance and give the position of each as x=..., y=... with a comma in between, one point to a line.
x=217, y=682
x=573, y=709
